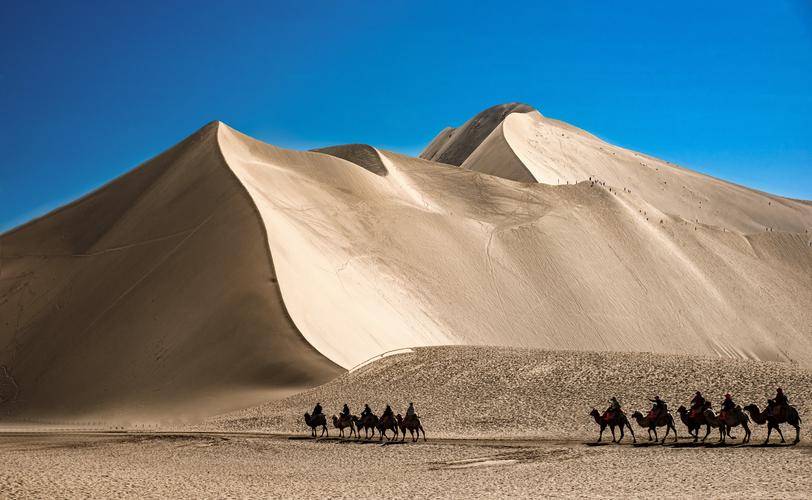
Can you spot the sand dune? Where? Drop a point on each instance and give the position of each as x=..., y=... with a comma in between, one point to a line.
x=227, y=271
x=153, y=296
x=489, y=392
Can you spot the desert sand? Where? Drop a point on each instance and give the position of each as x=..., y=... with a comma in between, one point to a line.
x=217, y=466
x=521, y=271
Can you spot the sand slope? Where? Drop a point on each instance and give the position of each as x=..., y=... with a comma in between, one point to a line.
x=487, y=392
x=430, y=255
x=153, y=296
x=228, y=271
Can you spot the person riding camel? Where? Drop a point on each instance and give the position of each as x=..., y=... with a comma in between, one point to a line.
x=410, y=413
x=778, y=403
x=613, y=410
x=728, y=405
x=317, y=410
x=697, y=403
x=367, y=411
x=345, y=412
x=387, y=412
x=658, y=408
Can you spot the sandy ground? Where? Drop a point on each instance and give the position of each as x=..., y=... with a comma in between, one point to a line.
x=234, y=466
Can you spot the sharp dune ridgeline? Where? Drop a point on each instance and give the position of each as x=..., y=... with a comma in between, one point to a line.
x=226, y=272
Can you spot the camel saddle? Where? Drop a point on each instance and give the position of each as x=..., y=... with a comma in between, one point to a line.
x=778, y=412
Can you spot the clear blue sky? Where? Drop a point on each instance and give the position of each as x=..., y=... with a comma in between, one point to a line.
x=89, y=90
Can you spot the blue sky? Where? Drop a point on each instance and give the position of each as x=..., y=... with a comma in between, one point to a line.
x=91, y=89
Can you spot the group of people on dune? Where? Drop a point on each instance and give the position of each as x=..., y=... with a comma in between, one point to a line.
x=367, y=421
x=700, y=414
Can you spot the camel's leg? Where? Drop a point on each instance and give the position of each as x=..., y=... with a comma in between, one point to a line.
x=621, y=434
x=769, y=431
x=707, y=431
x=612, y=428
x=674, y=428
x=600, y=434
x=746, y=432
x=667, y=430
x=420, y=428
x=656, y=438
x=634, y=439
x=797, y=433
x=778, y=428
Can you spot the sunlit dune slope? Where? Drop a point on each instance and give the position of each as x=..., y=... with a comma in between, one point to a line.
x=431, y=254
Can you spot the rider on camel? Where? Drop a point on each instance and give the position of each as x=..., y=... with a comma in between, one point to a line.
x=778, y=402
x=613, y=410
x=317, y=410
x=658, y=407
x=387, y=412
x=410, y=413
x=728, y=405
x=367, y=411
x=697, y=403
x=345, y=412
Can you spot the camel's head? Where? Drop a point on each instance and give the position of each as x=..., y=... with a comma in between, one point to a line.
x=637, y=414
x=751, y=408
x=594, y=413
x=399, y=418
x=682, y=410
x=335, y=419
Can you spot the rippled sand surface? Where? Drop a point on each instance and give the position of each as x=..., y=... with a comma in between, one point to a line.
x=219, y=466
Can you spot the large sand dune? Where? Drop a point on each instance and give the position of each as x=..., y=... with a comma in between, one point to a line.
x=228, y=271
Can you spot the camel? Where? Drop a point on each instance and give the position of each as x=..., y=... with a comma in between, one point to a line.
x=366, y=422
x=413, y=424
x=695, y=422
x=387, y=423
x=732, y=418
x=664, y=420
x=316, y=421
x=343, y=422
x=618, y=420
x=790, y=416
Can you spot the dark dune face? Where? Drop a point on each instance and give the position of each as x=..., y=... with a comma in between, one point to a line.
x=153, y=296
x=454, y=146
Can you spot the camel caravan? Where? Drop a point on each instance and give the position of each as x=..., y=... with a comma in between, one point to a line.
x=701, y=414
x=368, y=422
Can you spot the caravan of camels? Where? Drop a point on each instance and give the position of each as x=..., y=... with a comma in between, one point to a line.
x=778, y=411
x=700, y=414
